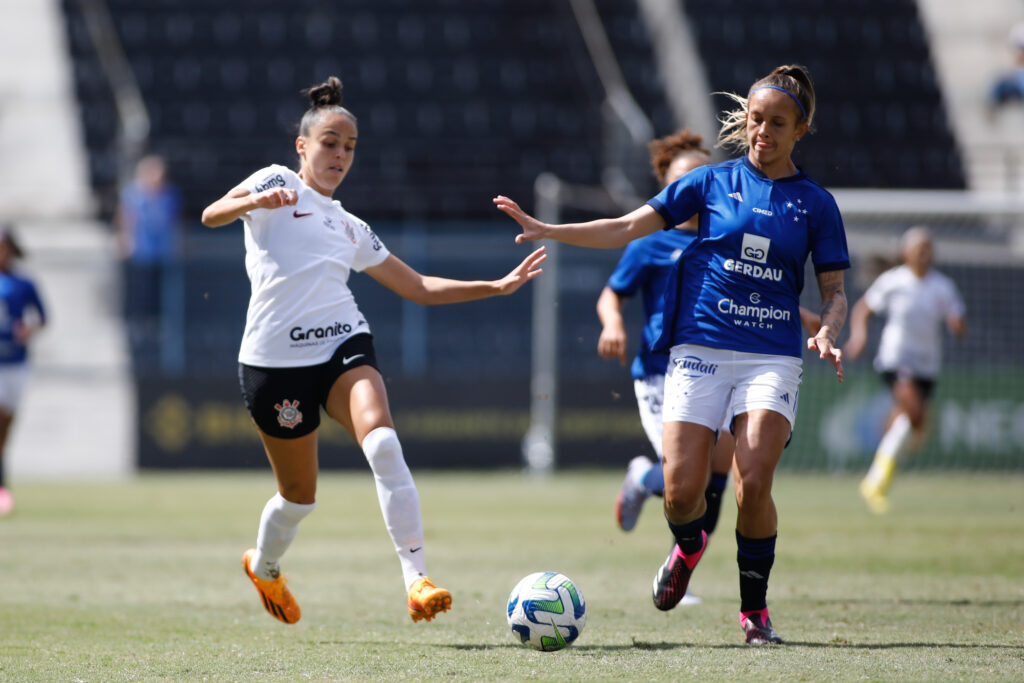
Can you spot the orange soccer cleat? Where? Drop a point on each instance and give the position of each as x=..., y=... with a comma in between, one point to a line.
x=427, y=600
x=277, y=599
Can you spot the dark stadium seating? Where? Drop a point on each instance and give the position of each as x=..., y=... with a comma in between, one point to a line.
x=881, y=120
x=459, y=100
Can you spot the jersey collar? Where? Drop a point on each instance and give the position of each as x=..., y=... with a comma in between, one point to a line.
x=799, y=175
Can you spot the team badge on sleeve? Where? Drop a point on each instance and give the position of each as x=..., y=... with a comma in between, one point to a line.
x=288, y=414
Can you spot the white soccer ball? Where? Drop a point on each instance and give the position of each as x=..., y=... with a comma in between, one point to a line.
x=546, y=611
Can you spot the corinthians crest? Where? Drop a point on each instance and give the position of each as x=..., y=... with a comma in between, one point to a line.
x=288, y=414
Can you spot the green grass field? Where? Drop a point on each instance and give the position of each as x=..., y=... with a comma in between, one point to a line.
x=142, y=581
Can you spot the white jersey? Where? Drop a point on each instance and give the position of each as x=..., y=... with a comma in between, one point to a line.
x=916, y=311
x=298, y=259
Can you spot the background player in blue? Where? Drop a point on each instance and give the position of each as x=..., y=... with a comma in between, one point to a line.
x=21, y=316
x=732, y=319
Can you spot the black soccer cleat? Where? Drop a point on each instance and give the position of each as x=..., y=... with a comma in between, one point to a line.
x=758, y=627
x=674, y=576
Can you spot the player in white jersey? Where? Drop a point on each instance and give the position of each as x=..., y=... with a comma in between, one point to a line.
x=306, y=346
x=918, y=302
x=731, y=317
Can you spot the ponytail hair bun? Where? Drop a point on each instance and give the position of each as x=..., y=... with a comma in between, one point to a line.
x=325, y=94
x=324, y=98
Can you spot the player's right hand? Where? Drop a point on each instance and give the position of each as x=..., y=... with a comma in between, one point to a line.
x=612, y=344
x=276, y=197
x=533, y=229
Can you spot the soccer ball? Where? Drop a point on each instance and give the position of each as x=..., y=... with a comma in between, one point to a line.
x=546, y=611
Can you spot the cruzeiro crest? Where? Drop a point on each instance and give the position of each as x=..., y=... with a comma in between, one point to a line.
x=288, y=414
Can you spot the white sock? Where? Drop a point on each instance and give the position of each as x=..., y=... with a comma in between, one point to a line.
x=890, y=449
x=399, y=500
x=278, y=526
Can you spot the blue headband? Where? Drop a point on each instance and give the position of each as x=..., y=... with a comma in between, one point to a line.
x=775, y=87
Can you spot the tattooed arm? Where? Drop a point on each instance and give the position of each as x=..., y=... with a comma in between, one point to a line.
x=833, y=317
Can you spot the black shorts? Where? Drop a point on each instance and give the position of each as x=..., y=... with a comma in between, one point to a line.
x=285, y=402
x=926, y=385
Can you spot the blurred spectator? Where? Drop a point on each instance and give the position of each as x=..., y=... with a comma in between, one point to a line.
x=1009, y=87
x=147, y=219
x=21, y=315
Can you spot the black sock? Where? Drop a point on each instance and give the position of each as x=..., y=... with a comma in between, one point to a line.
x=713, y=497
x=755, y=557
x=689, y=536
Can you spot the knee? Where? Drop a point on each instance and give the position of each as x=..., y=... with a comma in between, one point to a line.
x=384, y=453
x=753, y=489
x=299, y=493
x=683, y=499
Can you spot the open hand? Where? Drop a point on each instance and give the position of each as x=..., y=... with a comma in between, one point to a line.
x=523, y=273
x=827, y=351
x=533, y=229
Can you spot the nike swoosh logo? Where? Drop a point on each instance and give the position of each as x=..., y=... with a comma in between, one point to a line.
x=416, y=549
x=346, y=361
x=301, y=215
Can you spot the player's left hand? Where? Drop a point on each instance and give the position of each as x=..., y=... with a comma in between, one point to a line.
x=827, y=351
x=523, y=273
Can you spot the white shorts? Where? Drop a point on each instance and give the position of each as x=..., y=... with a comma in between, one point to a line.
x=650, y=391
x=710, y=387
x=650, y=395
x=12, y=385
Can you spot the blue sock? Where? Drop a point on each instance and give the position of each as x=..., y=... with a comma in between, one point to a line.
x=654, y=480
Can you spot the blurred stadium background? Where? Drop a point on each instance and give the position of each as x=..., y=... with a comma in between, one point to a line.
x=548, y=101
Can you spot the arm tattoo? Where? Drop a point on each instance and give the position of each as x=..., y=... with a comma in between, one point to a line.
x=833, y=302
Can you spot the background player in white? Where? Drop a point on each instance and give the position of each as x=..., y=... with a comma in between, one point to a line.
x=732, y=319
x=21, y=316
x=307, y=346
x=918, y=302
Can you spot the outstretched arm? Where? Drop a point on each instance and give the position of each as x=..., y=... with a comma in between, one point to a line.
x=833, y=317
x=859, y=317
x=409, y=284
x=240, y=201
x=612, y=342
x=604, y=233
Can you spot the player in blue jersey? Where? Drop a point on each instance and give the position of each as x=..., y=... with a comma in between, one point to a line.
x=21, y=316
x=732, y=320
x=645, y=267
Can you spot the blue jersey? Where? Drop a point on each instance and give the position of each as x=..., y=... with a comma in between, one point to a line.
x=17, y=295
x=738, y=286
x=646, y=265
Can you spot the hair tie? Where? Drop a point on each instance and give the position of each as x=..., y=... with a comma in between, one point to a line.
x=775, y=87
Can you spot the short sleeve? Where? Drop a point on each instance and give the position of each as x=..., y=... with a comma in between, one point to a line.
x=681, y=199
x=877, y=295
x=370, y=251
x=264, y=179
x=954, y=303
x=630, y=273
x=828, y=246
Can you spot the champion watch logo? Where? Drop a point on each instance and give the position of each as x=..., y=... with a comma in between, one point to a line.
x=288, y=414
x=737, y=196
x=296, y=214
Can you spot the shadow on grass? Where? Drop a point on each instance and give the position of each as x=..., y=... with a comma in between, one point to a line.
x=640, y=645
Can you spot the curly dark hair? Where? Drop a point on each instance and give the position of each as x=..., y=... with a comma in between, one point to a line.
x=665, y=150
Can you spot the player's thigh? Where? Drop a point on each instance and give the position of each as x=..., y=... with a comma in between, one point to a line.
x=687, y=459
x=295, y=465
x=761, y=436
x=358, y=401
